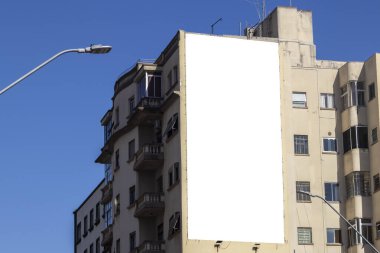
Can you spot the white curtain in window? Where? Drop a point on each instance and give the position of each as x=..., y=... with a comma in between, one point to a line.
x=330, y=101
x=301, y=97
x=323, y=100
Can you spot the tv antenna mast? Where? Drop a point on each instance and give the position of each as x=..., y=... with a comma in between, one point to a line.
x=260, y=6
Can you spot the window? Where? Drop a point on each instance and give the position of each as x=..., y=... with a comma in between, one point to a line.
x=173, y=174
x=360, y=94
x=108, y=214
x=132, y=241
x=97, y=245
x=303, y=186
x=131, y=149
x=78, y=233
x=91, y=248
x=149, y=86
x=378, y=230
x=117, y=117
x=91, y=219
x=118, y=246
x=172, y=77
x=374, y=135
x=304, y=236
x=117, y=159
x=331, y=192
x=376, y=182
x=358, y=184
x=364, y=226
x=371, y=91
x=327, y=101
x=117, y=204
x=176, y=172
x=169, y=79
x=85, y=226
x=299, y=99
x=172, y=126
x=171, y=182
x=175, y=74
x=174, y=224
x=344, y=97
x=334, y=236
x=355, y=137
x=97, y=213
x=160, y=232
x=353, y=94
x=108, y=131
x=131, y=103
x=301, y=145
x=132, y=195
x=160, y=184
x=329, y=145
x=108, y=173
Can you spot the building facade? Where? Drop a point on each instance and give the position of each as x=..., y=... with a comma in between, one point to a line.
x=89, y=223
x=330, y=120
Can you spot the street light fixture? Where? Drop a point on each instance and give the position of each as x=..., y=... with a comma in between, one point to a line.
x=93, y=49
x=341, y=216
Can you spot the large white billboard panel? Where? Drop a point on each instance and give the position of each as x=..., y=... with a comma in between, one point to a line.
x=234, y=150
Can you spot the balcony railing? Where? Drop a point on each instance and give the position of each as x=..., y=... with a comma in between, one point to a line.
x=150, y=205
x=107, y=237
x=147, y=108
x=149, y=157
x=107, y=193
x=150, y=247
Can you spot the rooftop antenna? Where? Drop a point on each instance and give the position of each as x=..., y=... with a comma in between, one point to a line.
x=263, y=5
x=212, y=26
x=260, y=6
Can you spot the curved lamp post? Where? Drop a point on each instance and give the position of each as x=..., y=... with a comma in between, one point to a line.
x=93, y=49
x=341, y=216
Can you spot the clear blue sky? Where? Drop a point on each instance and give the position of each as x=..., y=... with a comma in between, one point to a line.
x=50, y=130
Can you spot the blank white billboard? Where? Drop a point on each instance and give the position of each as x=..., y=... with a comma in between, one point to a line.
x=234, y=149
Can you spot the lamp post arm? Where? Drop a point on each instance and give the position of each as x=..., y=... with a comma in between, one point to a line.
x=79, y=50
x=341, y=216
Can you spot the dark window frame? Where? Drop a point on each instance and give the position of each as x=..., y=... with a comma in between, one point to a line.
x=371, y=91
x=304, y=242
x=302, y=186
x=301, y=144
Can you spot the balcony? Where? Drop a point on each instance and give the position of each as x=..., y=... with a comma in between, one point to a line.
x=107, y=193
x=107, y=237
x=149, y=157
x=150, y=205
x=150, y=247
x=146, y=111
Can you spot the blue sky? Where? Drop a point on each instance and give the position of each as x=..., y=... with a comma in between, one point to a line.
x=50, y=130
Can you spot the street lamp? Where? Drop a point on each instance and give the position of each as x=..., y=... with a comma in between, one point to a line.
x=93, y=49
x=341, y=216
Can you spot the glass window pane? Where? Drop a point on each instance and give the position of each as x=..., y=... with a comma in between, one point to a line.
x=150, y=86
x=157, y=87
x=353, y=137
x=304, y=236
x=299, y=99
x=362, y=137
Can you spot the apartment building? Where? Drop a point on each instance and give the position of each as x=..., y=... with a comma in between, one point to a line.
x=329, y=128
x=89, y=223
